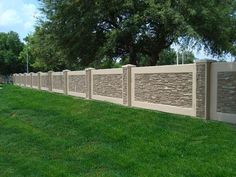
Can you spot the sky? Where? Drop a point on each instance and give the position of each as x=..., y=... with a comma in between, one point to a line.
x=21, y=16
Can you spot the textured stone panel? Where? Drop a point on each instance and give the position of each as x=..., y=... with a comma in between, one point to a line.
x=17, y=79
x=109, y=85
x=173, y=89
x=44, y=81
x=58, y=82
x=226, y=92
x=35, y=81
x=28, y=80
x=21, y=79
x=77, y=83
x=201, y=90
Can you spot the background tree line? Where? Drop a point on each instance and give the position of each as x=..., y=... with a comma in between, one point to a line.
x=75, y=34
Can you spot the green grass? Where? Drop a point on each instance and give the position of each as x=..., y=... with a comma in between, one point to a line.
x=46, y=134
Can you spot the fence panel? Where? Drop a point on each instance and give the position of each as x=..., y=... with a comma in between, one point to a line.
x=107, y=85
x=223, y=92
x=77, y=83
x=165, y=88
x=58, y=82
x=35, y=80
x=28, y=80
x=44, y=81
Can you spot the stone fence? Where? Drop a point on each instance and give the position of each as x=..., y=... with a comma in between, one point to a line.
x=204, y=89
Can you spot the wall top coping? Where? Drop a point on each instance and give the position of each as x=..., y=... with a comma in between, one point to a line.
x=88, y=69
x=66, y=70
x=205, y=61
x=128, y=65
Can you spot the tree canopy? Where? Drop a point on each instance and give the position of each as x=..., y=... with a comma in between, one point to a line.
x=10, y=48
x=87, y=32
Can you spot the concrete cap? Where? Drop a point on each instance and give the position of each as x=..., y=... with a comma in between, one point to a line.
x=205, y=61
x=66, y=70
x=87, y=69
x=128, y=65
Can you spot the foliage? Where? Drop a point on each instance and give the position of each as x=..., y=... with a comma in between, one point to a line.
x=10, y=48
x=167, y=57
x=45, y=134
x=43, y=52
x=137, y=29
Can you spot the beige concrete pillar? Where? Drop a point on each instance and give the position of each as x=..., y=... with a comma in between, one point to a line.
x=66, y=81
x=89, y=82
x=203, y=76
x=127, y=69
x=25, y=79
x=39, y=81
x=31, y=80
x=21, y=79
x=17, y=79
x=50, y=80
x=14, y=79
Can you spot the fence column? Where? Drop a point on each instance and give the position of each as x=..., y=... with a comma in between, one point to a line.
x=127, y=84
x=66, y=81
x=21, y=79
x=50, y=80
x=25, y=79
x=13, y=79
x=39, y=80
x=31, y=80
x=203, y=76
x=16, y=79
x=89, y=83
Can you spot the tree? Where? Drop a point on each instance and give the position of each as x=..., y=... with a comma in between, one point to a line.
x=10, y=48
x=168, y=57
x=93, y=30
x=43, y=52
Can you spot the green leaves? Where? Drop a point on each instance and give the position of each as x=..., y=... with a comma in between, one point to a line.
x=94, y=30
x=10, y=47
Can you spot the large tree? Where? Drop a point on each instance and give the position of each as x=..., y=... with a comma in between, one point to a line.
x=90, y=30
x=10, y=48
x=43, y=51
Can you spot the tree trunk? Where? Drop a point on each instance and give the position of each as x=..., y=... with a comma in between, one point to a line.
x=132, y=55
x=154, y=58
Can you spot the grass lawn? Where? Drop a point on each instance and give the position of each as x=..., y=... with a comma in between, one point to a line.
x=47, y=134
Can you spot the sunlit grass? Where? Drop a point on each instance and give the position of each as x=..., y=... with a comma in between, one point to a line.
x=47, y=134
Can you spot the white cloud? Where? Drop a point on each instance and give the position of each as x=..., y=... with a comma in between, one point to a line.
x=9, y=17
x=29, y=9
x=19, y=16
x=31, y=13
